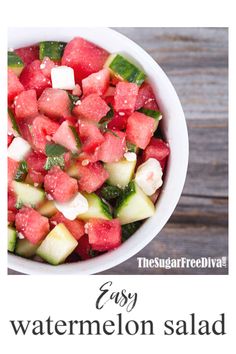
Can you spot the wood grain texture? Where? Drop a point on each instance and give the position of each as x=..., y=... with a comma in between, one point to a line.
x=196, y=61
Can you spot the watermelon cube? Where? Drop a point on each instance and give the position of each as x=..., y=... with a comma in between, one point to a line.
x=76, y=227
x=158, y=150
x=146, y=98
x=28, y=54
x=14, y=86
x=104, y=235
x=119, y=121
x=140, y=129
x=46, y=66
x=83, y=248
x=96, y=83
x=91, y=177
x=77, y=90
x=32, y=224
x=26, y=104
x=65, y=136
x=35, y=163
x=90, y=135
x=125, y=96
x=32, y=77
x=84, y=57
x=42, y=130
x=9, y=139
x=11, y=200
x=59, y=185
x=92, y=107
x=11, y=216
x=113, y=148
x=12, y=167
x=54, y=103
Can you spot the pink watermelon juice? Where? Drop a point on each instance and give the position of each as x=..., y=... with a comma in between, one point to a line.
x=86, y=157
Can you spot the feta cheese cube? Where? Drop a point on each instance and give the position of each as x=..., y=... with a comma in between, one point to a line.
x=18, y=149
x=63, y=77
x=76, y=206
x=130, y=156
x=149, y=176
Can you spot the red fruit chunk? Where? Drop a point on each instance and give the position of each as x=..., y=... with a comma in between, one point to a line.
x=145, y=98
x=26, y=105
x=110, y=91
x=32, y=224
x=24, y=127
x=96, y=83
x=140, y=129
x=83, y=248
x=90, y=135
x=64, y=136
x=91, y=177
x=12, y=167
x=77, y=90
x=89, y=156
x=104, y=235
x=119, y=121
x=42, y=129
x=125, y=96
x=14, y=86
x=35, y=162
x=33, y=78
x=11, y=215
x=11, y=198
x=84, y=57
x=59, y=185
x=92, y=107
x=113, y=148
x=55, y=103
x=46, y=67
x=28, y=54
x=76, y=227
x=158, y=150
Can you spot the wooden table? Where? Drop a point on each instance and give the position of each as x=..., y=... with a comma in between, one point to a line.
x=196, y=61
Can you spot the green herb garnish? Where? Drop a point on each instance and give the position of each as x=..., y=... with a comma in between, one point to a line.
x=111, y=192
x=129, y=229
x=76, y=136
x=54, y=161
x=55, y=150
x=21, y=172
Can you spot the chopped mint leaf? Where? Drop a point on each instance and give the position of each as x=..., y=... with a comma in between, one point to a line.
x=21, y=172
x=77, y=139
x=55, y=150
x=54, y=161
x=73, y=99
x=19, y=204
x=111, y=192
x=131, y=147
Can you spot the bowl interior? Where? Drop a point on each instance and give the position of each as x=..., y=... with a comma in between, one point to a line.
x=173, y=127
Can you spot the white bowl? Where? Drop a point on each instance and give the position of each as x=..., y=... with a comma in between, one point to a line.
x=174, y=129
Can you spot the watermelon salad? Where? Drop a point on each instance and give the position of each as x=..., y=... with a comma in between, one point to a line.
x=86, y=156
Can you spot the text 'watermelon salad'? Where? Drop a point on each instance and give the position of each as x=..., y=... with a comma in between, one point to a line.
x=86, y=156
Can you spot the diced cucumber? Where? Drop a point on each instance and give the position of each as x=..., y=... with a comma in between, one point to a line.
x=120, y=173
x=57, y=246
x=129, y=229
x=14, y=124
x=28, y=195
x=48, y=208
x=153, y=114
x=134, y=205
x=97, y=208
x=51, y=49
x=123, y=69
x=26, y=249
x=15, y=63
x=11, y=239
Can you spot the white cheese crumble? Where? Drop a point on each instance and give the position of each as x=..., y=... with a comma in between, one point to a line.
x=63, y=77
x=18, y=149
x=76, y=206
x=130, y=156
x=149, y=176
x=20, y=235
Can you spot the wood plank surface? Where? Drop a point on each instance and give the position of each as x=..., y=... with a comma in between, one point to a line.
x=196, y=61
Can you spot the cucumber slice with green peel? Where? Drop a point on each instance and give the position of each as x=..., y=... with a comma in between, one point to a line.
x=129, y=229
x=26, y=249
x=47, y=209
x=27, y=195
x=15, y=127
x=124, y=70
x=153, y=114
x=15, y=63
x=57, y=246
x=97, y=208
x=51, y=49
x=12, y=236
x=134, y=205
x=120, y=173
